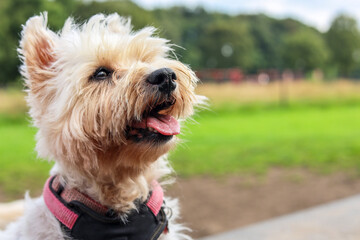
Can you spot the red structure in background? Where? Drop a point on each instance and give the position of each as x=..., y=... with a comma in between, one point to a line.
x=235, y=75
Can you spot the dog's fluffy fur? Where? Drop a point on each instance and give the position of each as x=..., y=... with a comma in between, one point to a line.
x=82, y=123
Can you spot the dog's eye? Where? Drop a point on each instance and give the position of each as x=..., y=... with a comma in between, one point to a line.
x=101, y=74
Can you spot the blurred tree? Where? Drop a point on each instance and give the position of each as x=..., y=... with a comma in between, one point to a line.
x=227, y=43
x=139, y=16
x=13, y=14
x=343, y=39
x=12, y=17
x=59, y=11
x=183, y=27
x=267, y=41
x=305, y=50
x=269, y=36
x=5, y=52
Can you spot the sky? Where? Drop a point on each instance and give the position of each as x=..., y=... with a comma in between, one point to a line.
x=317, y=13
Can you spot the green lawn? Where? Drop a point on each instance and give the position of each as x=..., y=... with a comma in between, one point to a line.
x=322, y=138
x=19, y=167
x=227, y=140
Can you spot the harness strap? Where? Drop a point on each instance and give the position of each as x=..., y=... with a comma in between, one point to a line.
x=56, y=202
x=156, y=198
x=69, y=194
x=57, y=207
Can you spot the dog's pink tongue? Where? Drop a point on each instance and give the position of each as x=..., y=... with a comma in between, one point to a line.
x=164, y=124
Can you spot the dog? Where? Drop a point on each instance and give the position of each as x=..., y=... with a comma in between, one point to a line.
x=108, y=102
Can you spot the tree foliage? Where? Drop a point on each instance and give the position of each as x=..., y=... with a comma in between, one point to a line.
x=207, y=40
x=305, y=50
x=226, y=44
x=13, y=14
x=343, y=38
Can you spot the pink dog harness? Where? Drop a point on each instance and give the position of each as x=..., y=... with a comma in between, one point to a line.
x=85, y=219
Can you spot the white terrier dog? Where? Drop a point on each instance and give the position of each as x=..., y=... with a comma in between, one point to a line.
x=107, y=102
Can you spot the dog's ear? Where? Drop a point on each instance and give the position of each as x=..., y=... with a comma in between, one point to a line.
x=37, y=51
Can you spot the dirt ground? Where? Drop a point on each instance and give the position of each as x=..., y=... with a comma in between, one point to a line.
x=214, y=205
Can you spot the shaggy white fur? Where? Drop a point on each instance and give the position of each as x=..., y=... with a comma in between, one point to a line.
x=86, y=125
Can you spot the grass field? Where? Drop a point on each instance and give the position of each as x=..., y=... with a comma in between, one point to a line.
x=249, y=128
x=324, y=139
x=20, y=169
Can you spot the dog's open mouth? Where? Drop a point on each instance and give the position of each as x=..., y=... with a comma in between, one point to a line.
x=156, y=125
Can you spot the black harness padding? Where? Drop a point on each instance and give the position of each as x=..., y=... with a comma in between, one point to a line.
x=140, y=224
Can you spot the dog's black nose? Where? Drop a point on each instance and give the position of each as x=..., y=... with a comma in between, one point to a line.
x=164, y=78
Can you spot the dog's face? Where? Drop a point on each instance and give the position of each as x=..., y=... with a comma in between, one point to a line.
x=102, y=96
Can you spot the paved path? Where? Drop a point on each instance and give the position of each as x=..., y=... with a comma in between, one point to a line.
x=338, y=220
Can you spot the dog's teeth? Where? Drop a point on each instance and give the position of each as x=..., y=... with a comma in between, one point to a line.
x=152, y=130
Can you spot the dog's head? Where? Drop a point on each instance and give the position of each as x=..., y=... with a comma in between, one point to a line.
x=104, y=96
